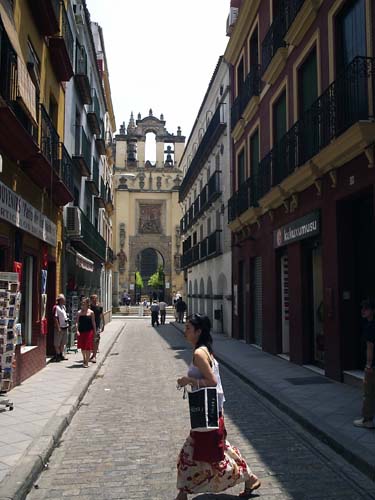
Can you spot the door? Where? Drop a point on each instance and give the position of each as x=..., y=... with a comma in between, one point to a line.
x=284, y=304
x=318, y=318
x=257, y=300
x=241, y=300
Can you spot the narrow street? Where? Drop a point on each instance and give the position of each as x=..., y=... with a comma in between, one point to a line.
x=124, y=439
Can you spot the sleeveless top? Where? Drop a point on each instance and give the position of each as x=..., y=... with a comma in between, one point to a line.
x=195, y=372
x=84, y=324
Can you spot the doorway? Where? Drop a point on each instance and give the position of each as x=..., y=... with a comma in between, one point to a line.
x=284, y=275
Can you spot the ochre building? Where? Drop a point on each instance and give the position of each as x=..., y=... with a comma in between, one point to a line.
x=147, y=212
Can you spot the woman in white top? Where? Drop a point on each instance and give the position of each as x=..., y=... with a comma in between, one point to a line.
x=207, y=462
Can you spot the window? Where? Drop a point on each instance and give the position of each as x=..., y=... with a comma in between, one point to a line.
x=209, y=226
x=194, y=238
x=350, y=33
x=217, y=162
x=254, y=49
x=279, y=118
x=307, y=83
x=150, y=147
x=33, y=65
x=240, y=77
x=254, y=152
x=241, y=176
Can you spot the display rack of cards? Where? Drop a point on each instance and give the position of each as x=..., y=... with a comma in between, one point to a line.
x=72, y=310
x=10, y=331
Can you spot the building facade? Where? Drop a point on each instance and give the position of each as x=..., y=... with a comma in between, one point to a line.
x=302, y=210
x=204, y=194
x=147, y=213
x=35, y=178
x=89, y=125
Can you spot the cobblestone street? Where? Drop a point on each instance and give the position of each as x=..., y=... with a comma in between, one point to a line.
x=124, y=440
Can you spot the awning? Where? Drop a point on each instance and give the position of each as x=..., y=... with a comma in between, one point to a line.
x=25, y=89
x=84, y=263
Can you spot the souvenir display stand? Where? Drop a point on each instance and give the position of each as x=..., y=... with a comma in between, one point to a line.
x=10, y=331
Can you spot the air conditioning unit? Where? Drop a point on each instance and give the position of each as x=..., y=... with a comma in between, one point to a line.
x=232, y=18
x=72, y=218
x=79, y=14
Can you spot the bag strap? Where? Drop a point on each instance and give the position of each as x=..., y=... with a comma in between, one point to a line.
x=208, y=355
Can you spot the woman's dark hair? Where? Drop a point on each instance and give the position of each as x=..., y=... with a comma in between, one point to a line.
x=203, y=323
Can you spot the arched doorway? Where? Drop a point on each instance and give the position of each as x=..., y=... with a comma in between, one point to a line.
x=148, y=262
x=195, y=301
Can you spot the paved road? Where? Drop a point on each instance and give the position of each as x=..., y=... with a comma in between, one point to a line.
x=124, y=440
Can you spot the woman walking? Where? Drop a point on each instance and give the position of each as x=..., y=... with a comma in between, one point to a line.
x=86, y=330
x=207, y=462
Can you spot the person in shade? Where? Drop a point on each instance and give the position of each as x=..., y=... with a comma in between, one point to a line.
x=61, y=324
x=155, y=313
x=86, y=330
x=99, y=322
x=208, y=463
x=368, y=332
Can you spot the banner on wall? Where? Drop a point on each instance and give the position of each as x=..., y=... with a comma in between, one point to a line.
x=17, y=211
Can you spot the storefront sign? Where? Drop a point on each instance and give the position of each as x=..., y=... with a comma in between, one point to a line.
x=21, y=214
x=84, y=263
x=302, y=228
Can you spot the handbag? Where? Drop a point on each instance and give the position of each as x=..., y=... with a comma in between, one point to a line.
x=204, y=409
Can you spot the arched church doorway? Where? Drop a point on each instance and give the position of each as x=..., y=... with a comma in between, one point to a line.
x=148, y=262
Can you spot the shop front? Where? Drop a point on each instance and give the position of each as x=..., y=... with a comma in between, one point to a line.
x=28, y=248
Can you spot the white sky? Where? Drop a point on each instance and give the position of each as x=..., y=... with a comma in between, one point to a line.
x=161, y=55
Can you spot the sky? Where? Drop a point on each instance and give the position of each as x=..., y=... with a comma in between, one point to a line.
x=161, y=54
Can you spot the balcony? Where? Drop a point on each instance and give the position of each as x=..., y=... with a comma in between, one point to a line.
x=213, y=187
x=242, y=206
x=93, y=182
x=81, y=78
x=110, y=257
x=210, y=138
x=64, y=186
x=338, y=127
x=99, y=140
x=93, y=115
x=46, y=14
x=109, y=200
x=83, y=234
x=61, y=47
x=251, y=89
x=100, y=198
x=82, y=152
x=18, y=132
x=206, y=249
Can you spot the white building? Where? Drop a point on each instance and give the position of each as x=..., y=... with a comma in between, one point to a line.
x=204, y=193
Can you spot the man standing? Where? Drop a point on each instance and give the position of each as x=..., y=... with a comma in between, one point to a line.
x=61, y=328
x=181, y=308
x=163, y=311
x=99, y=322
x=155, y=313
x=368, y=407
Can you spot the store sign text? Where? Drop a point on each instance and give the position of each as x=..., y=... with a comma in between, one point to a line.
x=302, y=228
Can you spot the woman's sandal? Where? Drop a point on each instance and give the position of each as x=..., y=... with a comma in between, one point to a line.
x=249, y=489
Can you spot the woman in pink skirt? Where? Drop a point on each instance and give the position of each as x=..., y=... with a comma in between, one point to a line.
x=208, y=463
x=86, y=330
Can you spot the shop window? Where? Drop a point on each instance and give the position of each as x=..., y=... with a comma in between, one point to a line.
x=18, y=246
x=254, y=152
x=279, y=118
x=3, y=259
x=350, y=33
x=241, y=176
x=26, y=310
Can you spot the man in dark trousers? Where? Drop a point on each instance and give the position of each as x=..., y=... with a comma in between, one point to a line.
x=155, y=313
x=368, y=407
x=99, y=322
x=181, y=308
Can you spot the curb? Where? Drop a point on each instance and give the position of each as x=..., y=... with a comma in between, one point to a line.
x=19, y=481
x=361, y=458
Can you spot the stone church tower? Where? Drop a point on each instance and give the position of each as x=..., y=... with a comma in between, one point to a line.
x=147, y=213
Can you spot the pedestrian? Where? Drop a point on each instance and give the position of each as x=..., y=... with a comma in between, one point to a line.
x=181, y=308
x=86, y=330
x=163, y=311
x=368, y=406
x=124, y=296
x=99, y=323
x=155, y=313
x=61, y=324
x=207, y=462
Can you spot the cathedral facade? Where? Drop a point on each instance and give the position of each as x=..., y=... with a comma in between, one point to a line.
x=147, y=211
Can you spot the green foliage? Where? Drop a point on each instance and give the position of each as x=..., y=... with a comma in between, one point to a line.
x=138, y=279
x=157, y=279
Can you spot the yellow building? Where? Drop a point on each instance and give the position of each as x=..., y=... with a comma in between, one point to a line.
x=35, y=179
x=147, y=213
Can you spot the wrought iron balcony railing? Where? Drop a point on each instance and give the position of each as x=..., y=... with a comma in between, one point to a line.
x=251, y=88
x=82, y=152
x=66, y=168
x=92, y=238
x=207, y=248
x=93, y=114
x=49, y=139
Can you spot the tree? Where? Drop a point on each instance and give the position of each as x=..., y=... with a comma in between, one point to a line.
x=156, y=280
x=138, y=279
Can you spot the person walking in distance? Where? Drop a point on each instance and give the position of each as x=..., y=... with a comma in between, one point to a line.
x=368, y=407
x=163, y=311
x=155, y=313
x=61, y=328
x=181, y=308
x=99, y=323
x=86, y=330
x=207, y=462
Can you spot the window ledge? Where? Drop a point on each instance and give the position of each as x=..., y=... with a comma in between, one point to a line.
x=28, y=348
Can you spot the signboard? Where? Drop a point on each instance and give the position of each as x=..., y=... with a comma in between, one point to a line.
x=17, y=211
x=300, y=229
x=131, y=286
